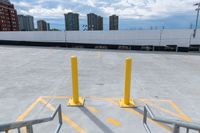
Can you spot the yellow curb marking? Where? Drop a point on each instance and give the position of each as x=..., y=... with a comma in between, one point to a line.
x=173, y=104
x=141, y=115
x=28, y=110
x=180, y=114
x=184, y=116
x=110, y=120
x=163, y=109
x=55, y=97
x=92, y=109
x=65, y=118
x=113, y=121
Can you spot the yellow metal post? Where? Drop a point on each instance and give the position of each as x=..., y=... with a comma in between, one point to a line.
x=75, y=100
x=127, y=101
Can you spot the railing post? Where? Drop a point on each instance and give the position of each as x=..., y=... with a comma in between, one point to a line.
x=29, y=129
x=145, y=116
x=127, y=101
x=18, y=129
x=187, y=130
x=60, y=115
x=176, y=129
x=75, y=100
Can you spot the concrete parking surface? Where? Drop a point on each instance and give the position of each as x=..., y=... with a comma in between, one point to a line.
x=35, y=80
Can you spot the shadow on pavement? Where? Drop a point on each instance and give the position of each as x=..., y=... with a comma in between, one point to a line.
x=98, y=122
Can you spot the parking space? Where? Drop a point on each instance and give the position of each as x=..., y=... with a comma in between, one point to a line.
x=101, y=114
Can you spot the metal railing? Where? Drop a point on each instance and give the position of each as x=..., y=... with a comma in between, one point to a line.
x=29, y=124
x=177, y=124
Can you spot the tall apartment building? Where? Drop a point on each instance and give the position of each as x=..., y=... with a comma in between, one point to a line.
x=26, y=23
x=95, y=22
x=8, y=16
x=71, y=21
x=99, y=23
x=42, y=25
x=113, y=22
x=48, y=27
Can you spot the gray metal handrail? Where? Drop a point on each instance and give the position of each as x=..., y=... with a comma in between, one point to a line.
x=176, y=123
x=29, y=124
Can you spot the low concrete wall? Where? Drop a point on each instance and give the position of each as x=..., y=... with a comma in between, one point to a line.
x=165, y=37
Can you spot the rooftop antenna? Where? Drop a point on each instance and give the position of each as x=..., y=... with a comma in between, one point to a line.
x=197, y=19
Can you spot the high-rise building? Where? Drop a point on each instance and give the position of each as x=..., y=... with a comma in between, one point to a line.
x=99, y=23
x=21, y=22
x=113, y=22
x=71, y=21
x=42, y=25
x=8, y=16
x=95, y=22
x=30, y=22
x=92, y=21
x=26, y=23
x=48, y=27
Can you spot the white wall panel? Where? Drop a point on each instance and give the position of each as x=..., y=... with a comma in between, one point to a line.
x=136, y=37
x=114, y=37
x=33, y=36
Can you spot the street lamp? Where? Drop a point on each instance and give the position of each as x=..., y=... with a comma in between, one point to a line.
x=197, y=19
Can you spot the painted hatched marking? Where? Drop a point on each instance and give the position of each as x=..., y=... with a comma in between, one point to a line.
x=52, y=108
x=179, y=114
x=141, y=115
x=28, y=110
x=184, y=116
x=113, y=121
x=65, y=117
x=92, y=109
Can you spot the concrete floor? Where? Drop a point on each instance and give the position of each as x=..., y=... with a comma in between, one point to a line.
x=169, y=82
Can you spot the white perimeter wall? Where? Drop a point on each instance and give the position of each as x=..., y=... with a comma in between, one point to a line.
x=134, y=37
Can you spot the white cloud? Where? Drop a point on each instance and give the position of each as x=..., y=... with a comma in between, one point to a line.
x=22, y=4
x=39, y=12
x=91, y=3
x=145, y=9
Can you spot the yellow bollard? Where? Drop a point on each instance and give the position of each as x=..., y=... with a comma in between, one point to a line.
x=75, y=100
x=127, y=102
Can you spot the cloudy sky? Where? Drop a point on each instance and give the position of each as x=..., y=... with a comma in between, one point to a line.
x=134, y=14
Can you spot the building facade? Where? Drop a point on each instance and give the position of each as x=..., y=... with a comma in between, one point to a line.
x=26, y=23
x=71, y=21
x=8, y=16
x=99, y=23
x=48, y=27
x=21, y=22
x=113, y=22
x=95, y=22
x=42, y=25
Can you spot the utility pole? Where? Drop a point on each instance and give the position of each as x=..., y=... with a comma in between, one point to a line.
x=161, y=32
x=197, y=19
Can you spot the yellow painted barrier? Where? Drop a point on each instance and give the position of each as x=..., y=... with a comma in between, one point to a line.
x=127, y=101
x=75, y=100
